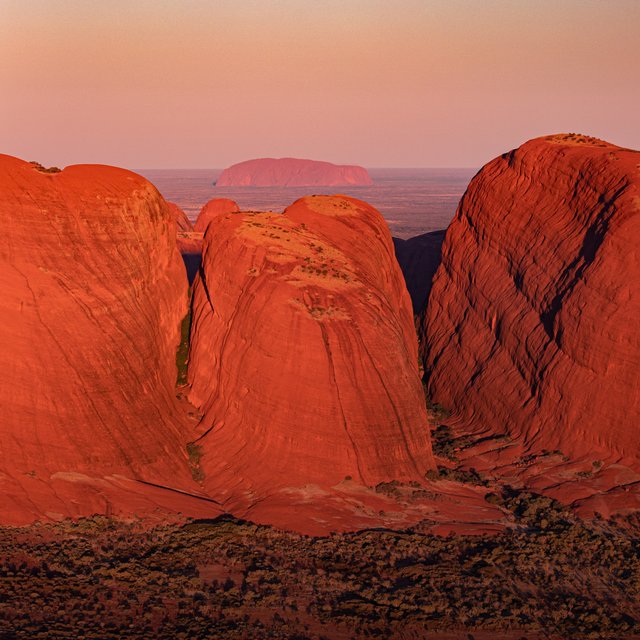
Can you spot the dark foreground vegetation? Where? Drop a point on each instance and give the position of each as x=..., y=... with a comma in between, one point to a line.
x=551, y=577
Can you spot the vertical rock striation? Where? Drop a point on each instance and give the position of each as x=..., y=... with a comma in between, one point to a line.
x=92, y=292
x=303, y=354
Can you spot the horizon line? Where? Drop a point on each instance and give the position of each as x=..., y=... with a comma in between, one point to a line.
x=219, y=169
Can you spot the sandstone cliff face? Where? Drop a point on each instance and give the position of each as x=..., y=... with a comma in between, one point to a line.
x=92, y=292
x=532, y=322
x=291, y=172
x=303, y=357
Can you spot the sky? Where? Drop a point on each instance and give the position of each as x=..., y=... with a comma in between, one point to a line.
x=380, y=83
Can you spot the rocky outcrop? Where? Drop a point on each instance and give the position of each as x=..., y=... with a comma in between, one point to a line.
x=92, y=293
x=214, y=208
x=532, y=324
x=291, y=172
x=304, y=358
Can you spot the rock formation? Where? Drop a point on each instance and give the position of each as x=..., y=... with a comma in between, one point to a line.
x=182, y=221
x=304, y=357
x=532, y=324
x=92, y=293
x=291, y=172
x=214, y=208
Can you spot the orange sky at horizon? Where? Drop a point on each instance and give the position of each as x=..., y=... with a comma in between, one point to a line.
x=410, y=83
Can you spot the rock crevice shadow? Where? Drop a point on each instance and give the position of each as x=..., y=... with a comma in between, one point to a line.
x=419, y=258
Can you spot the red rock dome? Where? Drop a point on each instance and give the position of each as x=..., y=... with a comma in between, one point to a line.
x=92, y=292
x=532, y=322
x=304, y=356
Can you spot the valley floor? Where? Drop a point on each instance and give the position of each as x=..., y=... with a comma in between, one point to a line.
x=550, y=576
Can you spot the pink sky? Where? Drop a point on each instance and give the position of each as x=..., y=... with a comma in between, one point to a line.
x=405, y=83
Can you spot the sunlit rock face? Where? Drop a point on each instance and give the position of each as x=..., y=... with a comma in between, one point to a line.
x=532, y=321
x=92, y=292
x=304, y=359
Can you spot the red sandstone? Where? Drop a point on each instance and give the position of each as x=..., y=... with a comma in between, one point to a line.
x=92, y=292
x=304, y=359
x=182, y=221
x=531, y=328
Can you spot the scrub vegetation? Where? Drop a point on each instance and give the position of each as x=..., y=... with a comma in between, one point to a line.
x=551, y=576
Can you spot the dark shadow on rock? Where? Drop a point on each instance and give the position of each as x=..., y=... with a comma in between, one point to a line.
x=192, y=264
x=419, y=258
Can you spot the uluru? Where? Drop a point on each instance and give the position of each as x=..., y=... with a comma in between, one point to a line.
x=292, y=172
x=531, y=325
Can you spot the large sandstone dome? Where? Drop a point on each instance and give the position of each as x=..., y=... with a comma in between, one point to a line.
x=532, y=322
x=92, y=292
x=304, y=356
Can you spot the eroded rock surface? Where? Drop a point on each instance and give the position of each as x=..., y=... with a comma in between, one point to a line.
x=92, y=292
x=304, y=360
x=532, y=324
